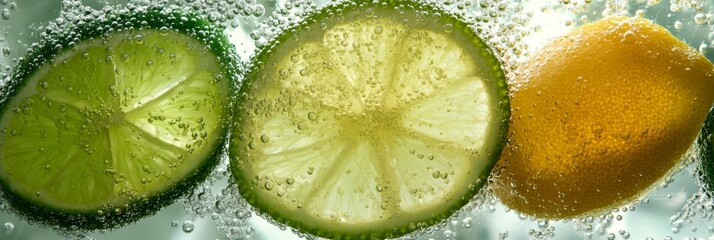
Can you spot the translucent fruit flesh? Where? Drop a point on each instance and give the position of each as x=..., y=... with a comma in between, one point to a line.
x=599, y=116
x=369, y=126
x=113, y=122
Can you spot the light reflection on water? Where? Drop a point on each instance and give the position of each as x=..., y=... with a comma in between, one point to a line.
x=650, y=219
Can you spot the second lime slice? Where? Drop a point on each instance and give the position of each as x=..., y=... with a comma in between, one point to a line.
x=369, y=120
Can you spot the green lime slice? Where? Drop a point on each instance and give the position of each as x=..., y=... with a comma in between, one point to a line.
x=120, y=124
x=369, y=120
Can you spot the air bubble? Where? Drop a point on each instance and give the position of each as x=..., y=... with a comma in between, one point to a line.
x=187, y=226
x=369, y=12
x=259, y=10
x=8, y=227
x=624, y=234
x=378, y=30
x=448, y=234
x=5, y=14
x=448, y=28
x=629, y=37
x=703, y=48
x=700, y=18
x=312, y=116
x=139, y=39
x=467, y=222
x=584, y=19
x=673, y=7
x=220, y=206
x=653, y=2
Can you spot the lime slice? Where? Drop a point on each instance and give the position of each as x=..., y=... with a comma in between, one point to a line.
x=119, y=125
x=369, y=121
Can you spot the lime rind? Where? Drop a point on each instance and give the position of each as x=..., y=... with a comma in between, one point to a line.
x=211, y=38
x=706, y=153
x=494, y=82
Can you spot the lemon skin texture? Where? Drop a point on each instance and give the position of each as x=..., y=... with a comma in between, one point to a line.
x=598, y=116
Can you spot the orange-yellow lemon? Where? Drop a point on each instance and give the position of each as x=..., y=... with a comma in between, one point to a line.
x=599, y=115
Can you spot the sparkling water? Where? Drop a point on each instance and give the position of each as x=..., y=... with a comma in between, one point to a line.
x=675, y=209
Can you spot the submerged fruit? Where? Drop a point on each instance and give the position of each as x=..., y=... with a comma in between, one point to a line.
x=599, y=116
x=116, y=120
x=370, y=120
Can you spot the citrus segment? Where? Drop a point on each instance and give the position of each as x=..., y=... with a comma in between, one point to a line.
x=106, y=131
x=73, y=81
x=368, y=126
x=599, y=116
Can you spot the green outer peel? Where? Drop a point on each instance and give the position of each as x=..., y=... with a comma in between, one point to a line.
x=249, y=185
x=706, y=153
x=150, y=20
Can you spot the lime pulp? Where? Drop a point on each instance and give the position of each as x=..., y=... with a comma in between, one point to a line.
x=369, y=124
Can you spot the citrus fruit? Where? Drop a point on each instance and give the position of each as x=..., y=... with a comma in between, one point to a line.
x=599, y=115
x=112, y=120
x=369, y=120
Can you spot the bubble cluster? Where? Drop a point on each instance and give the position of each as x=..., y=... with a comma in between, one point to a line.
x=231, y=214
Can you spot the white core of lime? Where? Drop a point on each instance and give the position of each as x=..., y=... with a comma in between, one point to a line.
x=368, y=124
x=113, y=121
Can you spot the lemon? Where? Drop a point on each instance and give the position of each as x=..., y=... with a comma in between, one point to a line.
x=112, y=120
x=369, y=120
x=599, y=115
